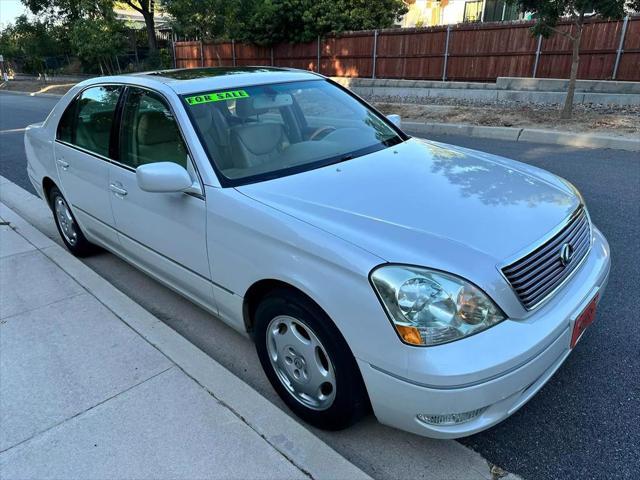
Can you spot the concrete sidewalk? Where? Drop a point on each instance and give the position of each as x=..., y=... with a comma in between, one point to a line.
x=93, y=386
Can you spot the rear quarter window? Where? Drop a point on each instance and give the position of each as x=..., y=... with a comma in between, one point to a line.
x=64, y=132
x=88, y=119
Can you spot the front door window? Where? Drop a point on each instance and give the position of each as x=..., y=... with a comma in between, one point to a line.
x=150, y=132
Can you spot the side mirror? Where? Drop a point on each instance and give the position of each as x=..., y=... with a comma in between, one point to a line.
x=163, y=177
x=395, y=119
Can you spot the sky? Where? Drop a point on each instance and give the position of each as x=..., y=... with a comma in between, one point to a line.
x=9, y=10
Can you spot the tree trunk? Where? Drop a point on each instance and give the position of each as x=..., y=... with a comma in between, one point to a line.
x=149, y=22
x=575, y=62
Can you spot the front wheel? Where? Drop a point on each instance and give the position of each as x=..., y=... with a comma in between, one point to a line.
x=308, y=361
x=68, y=228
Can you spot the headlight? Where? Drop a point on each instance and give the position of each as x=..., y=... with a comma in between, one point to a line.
x=428, y=307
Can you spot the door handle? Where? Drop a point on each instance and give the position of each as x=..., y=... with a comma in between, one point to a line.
x=64, y=165
x=117, y=190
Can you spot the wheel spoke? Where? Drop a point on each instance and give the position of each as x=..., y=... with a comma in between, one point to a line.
x=301, y=362
x=65, y=221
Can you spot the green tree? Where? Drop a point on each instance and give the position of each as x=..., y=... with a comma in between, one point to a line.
x=548, y=13
x=209, y=19
x=98, y=41
x=69, y=12
x=276, y=21
x=147, y=9
x=345, y=15
x=267, y=22
x=31, y=42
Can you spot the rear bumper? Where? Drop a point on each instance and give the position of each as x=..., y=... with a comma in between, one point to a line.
x=398, y=401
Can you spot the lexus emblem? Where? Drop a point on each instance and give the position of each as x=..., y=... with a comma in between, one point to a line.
x=566, y=253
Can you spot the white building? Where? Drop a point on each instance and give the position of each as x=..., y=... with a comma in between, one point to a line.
x=426, y=13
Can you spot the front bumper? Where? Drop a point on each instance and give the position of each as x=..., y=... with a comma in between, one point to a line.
x=542, y=346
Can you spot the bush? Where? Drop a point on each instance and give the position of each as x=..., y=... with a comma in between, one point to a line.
x=97, y=42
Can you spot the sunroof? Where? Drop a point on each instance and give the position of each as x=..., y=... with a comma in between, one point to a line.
x=193, y=73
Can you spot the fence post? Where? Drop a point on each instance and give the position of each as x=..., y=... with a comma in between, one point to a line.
x=375, y=54
x=620, y=47
x=318, y=55
x=201, y=54
x=233, y=51
x=173, y=47
x=272, y=56
x=446, y=54
x=538, y=50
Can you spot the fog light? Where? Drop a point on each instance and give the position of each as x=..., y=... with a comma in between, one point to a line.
x=450, y=418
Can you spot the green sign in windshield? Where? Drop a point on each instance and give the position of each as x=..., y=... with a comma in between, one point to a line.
x=216, y=97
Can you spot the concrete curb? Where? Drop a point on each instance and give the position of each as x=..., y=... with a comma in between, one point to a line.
x=306, y=451
x=491, y=92
x=582, y=140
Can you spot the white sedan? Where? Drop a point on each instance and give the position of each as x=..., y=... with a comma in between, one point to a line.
x=439, y=286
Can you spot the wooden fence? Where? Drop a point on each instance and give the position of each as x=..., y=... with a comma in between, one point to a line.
x=464, y=52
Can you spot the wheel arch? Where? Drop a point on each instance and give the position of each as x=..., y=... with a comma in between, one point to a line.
x=260, y=289
x=47, y=185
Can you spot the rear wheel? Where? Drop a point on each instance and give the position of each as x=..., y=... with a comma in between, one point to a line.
x=308, y=361
x=68, y=228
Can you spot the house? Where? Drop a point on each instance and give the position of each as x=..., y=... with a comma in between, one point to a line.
x=134, y=19
x=427, y=13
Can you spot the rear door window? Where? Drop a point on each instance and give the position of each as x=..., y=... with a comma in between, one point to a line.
x=88, y=120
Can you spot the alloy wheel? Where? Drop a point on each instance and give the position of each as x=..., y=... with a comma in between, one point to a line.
x=301, y=362
x=66, y=221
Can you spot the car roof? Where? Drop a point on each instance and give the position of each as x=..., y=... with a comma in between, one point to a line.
x=194, y=80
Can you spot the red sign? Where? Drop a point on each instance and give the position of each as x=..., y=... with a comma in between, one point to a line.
x=585, y=319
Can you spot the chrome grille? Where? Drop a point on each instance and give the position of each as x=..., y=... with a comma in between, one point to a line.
x=540, y=272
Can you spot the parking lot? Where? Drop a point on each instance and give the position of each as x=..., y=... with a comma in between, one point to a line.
x=582, y=424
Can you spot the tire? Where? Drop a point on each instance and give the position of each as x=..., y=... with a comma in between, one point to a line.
x=325, y=364
x=68, y=227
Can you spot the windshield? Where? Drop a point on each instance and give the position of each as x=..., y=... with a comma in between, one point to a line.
x=267, y=131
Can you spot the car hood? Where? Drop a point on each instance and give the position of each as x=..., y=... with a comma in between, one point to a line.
x=420, y=199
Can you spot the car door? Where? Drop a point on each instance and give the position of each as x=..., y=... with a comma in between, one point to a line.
x=82, y=153
x=163, y=233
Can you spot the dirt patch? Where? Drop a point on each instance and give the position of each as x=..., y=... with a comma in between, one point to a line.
x=604, y=120
x=36, y=86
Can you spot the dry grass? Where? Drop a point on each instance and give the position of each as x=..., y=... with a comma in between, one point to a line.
x=35, y=86
x=622, y=121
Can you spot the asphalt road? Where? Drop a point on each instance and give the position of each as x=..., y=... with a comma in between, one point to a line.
x=585, y=423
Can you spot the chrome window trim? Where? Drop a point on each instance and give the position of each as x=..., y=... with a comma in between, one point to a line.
x=84, y=150
x=531, y=248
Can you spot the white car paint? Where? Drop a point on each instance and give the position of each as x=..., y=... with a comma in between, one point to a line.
x=323, y=232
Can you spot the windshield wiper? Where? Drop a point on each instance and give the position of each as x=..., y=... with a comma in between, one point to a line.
x=390, y=142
